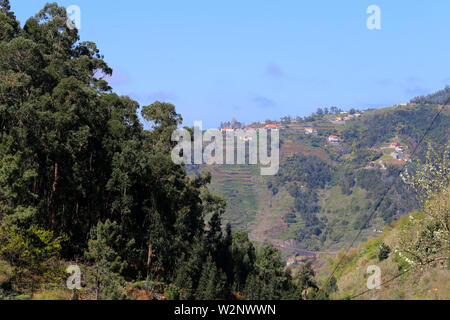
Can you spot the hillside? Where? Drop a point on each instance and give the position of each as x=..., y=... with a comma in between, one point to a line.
x=409, y=270
x=324, y=191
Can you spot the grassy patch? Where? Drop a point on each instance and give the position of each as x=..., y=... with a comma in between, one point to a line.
x=53, y=294
x=385, y=158
x=388, y=150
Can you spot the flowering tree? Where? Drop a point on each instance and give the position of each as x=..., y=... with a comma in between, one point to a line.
x=425, y=239
x=431, y=177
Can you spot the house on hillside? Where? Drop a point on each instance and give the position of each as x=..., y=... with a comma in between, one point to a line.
x=225, y=130
x=246, y=138
x=334, y=139
x=271, y=127
x=399, y=149
x=310, y=131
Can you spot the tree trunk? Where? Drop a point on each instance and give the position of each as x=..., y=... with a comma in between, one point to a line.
x=55, y=181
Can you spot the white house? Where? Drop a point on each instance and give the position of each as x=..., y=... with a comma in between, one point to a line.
x=224, y=130
x=333, y=139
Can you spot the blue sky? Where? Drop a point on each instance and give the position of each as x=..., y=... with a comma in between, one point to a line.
x=257, y=60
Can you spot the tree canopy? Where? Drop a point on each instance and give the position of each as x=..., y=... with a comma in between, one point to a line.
x=79, y=172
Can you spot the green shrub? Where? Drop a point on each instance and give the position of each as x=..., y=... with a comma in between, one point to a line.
x=172, y=292
x=384, y=252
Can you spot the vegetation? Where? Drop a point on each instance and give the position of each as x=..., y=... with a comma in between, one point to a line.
x=323, y=193
x=420, y=257
x=81, y=180
x=439, y=97
x=384, y=252
x=425, y=239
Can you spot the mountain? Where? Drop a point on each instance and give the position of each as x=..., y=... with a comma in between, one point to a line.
x=324, y=192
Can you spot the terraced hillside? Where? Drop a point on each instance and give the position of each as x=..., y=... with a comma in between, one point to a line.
x=239, y=185
x=296, y=211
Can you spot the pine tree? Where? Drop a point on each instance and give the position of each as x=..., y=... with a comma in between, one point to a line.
x=104, y=275
x=8, y=23
x=212, y=282
x=252, y=290
x=305, y=278
x=269, y=279
x=243, y=259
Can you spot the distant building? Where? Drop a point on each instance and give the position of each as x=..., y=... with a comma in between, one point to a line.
x=271, y=127
x=224, y=130
x=334, y=139
x=246, y=138
x=338, y=118
x=310, y=130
